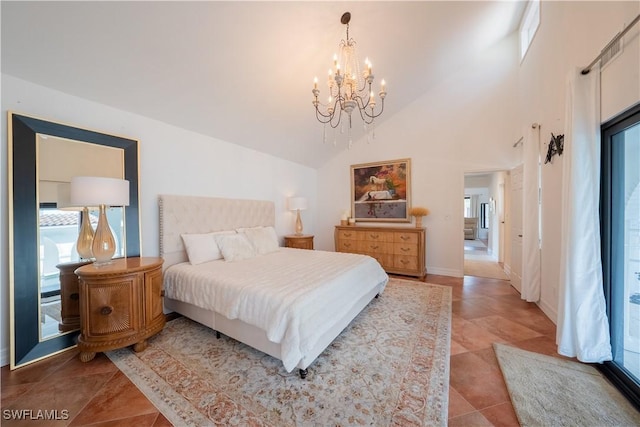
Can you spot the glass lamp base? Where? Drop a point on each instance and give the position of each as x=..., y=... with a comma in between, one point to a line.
x=104, y=245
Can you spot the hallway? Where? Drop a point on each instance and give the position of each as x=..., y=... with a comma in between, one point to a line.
x=479, y=262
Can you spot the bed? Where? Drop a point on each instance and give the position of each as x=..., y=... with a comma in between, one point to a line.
x=288, y=303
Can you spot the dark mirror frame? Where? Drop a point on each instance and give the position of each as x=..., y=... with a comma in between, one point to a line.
x=26, y=346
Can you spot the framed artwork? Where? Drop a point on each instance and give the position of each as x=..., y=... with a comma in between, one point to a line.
x=381, y=191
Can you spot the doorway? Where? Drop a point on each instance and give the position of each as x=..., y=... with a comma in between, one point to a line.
x=620, y=222
x=484, y=224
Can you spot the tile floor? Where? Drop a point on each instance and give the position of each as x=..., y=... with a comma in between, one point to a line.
x=484, y=311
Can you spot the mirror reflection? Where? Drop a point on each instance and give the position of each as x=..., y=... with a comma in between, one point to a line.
x=43, y=156
x=59, y=160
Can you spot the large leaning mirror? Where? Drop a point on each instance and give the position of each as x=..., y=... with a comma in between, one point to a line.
x=43, y=156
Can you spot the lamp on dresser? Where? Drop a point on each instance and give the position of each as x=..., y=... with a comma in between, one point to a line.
x=85, y=236
x=102, y=192
x=297, y=204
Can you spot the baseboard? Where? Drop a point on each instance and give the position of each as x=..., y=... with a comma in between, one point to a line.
x=445, y=272
x=4, y=356
x=507, y=270
x=549, y=311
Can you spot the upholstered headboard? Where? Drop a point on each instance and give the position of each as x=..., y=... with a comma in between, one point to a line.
x=189, y=214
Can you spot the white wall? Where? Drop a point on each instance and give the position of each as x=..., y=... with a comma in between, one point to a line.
x=464, y=124
x=571, y=34
x=172, y=161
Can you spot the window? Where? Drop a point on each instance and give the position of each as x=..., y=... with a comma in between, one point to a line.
x=620, y=227
x=484, y=215
x=467, y=207
x=529, y=25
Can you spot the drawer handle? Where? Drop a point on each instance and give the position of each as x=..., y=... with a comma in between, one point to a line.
x=374, y=236
x=106, y=310
x=405, y=249
x=403, y=237
x=404, y=261
x=347, y=245
x=347, y=234
x=374, y=247
x=74, y=296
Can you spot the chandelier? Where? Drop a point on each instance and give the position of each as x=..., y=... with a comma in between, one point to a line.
x=349, y=89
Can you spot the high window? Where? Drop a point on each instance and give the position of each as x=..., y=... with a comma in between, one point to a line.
x=529, y=25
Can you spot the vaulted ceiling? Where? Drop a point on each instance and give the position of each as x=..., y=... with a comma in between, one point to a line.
x=243, y=71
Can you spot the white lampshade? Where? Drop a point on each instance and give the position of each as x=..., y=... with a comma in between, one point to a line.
x=103, y=192
x=296, y=203
x=95, y=191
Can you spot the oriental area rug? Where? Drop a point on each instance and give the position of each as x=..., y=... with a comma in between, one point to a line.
x=549, y=391
x=390, y=366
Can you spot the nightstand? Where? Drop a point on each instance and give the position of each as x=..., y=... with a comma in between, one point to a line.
x=304, y=241
x=120, y=305
x=69, y=296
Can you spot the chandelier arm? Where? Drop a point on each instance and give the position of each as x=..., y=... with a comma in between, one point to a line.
x=324, y=118
x=338, y=122
x=364, y=86
x=365, y=116
x=373, y=116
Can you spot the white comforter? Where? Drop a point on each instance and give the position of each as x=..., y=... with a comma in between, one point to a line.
x=294, y=295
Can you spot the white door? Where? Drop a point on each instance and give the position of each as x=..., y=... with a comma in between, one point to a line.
x=516, y=227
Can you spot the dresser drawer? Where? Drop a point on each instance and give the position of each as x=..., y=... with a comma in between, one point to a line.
x=405, y=262
x=347, y=246
x=347, y=235
x=375, y=236
x=405, y=249
x=406, y=238
x=385, y=260
x=369, y=247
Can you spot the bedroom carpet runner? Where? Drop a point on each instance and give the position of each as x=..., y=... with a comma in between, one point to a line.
x=390, y=366
x=549, y=391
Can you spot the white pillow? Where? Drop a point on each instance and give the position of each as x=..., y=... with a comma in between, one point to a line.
x=203, y=247
x=235, y=247
x=263, y=239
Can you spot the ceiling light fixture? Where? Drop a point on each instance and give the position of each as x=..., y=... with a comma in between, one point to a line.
x=349, y=89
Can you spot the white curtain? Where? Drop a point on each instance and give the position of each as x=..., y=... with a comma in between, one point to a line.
x=531, y=216
x=474, y=206
x=583, y=327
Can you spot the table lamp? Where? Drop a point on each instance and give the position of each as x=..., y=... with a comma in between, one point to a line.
x=297, y=204
x=85, y=237
x=102, y=192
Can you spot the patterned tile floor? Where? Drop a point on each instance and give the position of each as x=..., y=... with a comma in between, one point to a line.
x=484, y=311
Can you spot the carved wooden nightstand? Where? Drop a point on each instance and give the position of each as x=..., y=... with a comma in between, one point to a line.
x=304, y=241
x=120, y=305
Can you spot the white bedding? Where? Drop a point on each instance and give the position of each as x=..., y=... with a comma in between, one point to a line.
x=292, y=294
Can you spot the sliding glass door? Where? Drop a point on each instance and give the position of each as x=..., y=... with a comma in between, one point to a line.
x=621, y=246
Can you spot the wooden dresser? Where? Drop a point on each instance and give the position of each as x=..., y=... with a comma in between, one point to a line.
x=400, y=250
x=120, y=305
